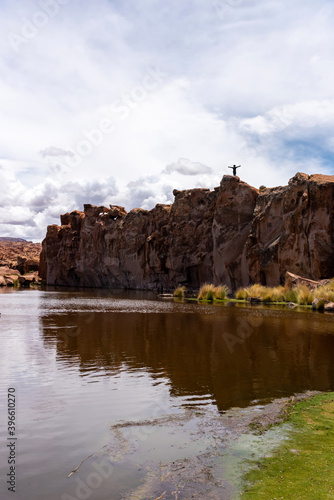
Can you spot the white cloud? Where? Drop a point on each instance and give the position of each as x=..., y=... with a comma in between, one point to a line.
x=242, y=81
x=54, y=151
x=187, y=167
x=301, y=115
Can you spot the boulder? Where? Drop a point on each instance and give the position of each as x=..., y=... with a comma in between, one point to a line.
x=319, y=304
x=29, y=279
x=292, y=280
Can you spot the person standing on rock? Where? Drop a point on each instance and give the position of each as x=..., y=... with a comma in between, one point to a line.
x=235, y=169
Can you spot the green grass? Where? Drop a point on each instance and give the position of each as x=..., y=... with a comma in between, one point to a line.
x=291, y=295
x=302, y=467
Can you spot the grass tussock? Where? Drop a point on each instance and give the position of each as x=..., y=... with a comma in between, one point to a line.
x=263, y=293
x=206, y=292
x=221, y=292
x=325, y=293
x=305, y=296
x=210, y=292
x=301, y=294
x=291, y=295
x=179, y=292
x=242, y=294
x=256, y=291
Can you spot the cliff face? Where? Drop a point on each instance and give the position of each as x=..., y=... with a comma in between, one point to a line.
x=233, y=235
x=292, y=230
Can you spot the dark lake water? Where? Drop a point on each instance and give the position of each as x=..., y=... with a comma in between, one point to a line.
x=123, y=375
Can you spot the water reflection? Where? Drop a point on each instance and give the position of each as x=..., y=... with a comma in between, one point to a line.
x=83, y=360
x=192, y=347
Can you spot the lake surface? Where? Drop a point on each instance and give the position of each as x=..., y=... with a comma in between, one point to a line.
x=136, y=381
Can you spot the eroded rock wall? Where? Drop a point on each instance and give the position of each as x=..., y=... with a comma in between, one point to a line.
x=292, y=230
x=233, y=235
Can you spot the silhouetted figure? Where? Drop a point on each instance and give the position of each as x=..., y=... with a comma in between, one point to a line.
x=235, y=169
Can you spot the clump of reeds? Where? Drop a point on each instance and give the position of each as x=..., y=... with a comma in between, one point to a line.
x=330, y=285
x=179, y=292
x=325, y=292
x=256, y=291
x=210, y=292
x=300, y=294
x=278, y=294
x=221, y=292
x=206, y=292
x=264, y=293
x=291, y=295
x=304, y=295
x=241, y=294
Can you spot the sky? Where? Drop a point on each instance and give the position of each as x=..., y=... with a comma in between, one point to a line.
x=120, y=102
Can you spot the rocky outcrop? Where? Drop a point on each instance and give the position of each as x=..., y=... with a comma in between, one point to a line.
x=234, y=235
x=292, y=230
x=12, y=277
x=19, y=254
x=293, y=280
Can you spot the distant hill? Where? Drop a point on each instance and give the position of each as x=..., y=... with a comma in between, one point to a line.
x=8, y=238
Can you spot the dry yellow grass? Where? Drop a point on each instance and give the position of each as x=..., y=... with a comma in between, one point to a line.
x=179, y=292
x=210, y=292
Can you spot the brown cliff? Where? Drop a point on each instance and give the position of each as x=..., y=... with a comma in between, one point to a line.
x=234, y=235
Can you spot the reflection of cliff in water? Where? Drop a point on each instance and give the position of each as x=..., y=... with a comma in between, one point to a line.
x=285, y=353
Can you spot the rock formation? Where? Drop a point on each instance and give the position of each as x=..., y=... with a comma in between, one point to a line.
x=233, y=235
x=19, y=254
x=19, y=261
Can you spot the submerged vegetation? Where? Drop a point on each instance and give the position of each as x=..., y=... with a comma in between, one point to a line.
x=302, y=466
